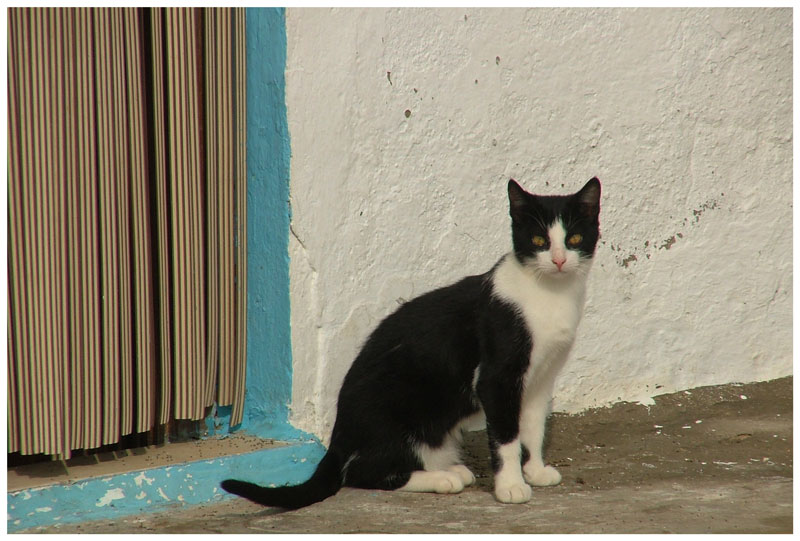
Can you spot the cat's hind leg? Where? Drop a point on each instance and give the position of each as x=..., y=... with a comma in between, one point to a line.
x=442, y=471
x=396, y=477
x=412, y=468
x=440, y=482
x=445, y=458
x=467, y=477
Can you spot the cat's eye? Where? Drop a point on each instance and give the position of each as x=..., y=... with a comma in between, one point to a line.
x=575, y=239
x=539, y=241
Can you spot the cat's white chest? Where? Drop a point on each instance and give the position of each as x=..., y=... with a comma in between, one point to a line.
x=551, y=311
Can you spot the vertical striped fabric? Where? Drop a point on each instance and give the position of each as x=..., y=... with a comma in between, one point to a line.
x=126, y=147
x=239, y=117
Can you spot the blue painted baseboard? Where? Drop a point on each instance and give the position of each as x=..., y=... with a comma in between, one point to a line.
x=158, y=489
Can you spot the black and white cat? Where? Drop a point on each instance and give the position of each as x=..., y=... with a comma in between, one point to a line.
x=487, y=348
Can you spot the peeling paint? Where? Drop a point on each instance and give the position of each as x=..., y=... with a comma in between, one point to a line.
x=142, y=478
x=110, y=496
x=668, y=243
x=121, y=495
x=711, y=204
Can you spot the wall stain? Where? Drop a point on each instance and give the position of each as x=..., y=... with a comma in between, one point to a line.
x=668, y=243
x=711, y=204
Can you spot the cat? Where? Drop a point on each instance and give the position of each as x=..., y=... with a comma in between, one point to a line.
x=485, y=349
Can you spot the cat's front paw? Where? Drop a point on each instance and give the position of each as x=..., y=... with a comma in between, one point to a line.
x=541, y=476
x=513, y=493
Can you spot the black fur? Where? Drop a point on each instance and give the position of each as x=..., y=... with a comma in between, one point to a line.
x=505, y=348
x=326, y=481
x=412, y=382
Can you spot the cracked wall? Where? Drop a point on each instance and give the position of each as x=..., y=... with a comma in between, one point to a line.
x=407, y=123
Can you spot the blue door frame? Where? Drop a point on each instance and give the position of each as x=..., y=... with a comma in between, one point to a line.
x=269, y=352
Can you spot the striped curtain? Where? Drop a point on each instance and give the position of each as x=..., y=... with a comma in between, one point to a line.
x=127, y=243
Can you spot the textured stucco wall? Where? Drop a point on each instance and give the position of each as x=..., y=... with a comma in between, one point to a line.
x=406, y=125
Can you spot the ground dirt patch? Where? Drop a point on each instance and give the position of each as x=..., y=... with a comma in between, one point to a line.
x=719, y=432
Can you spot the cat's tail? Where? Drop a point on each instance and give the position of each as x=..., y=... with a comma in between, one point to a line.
x=325, y=482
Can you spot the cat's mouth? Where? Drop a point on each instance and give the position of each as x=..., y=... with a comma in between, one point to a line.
x=540, y=269
x=556, y=270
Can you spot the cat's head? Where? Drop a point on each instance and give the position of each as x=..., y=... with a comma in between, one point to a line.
x=555, y=236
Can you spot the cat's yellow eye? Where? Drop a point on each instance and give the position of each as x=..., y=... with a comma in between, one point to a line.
x=575, y=239
x=539, y=241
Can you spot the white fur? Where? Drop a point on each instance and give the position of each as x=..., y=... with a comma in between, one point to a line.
x=467, y=477
x=443, y=465
x=550, y=304
x=443, y=471
x=550, y=300
x=509, y=486
x=346, y=466
x=441, y=482
x=442, y=457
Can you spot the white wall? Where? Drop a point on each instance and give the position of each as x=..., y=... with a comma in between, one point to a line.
x=684, y=115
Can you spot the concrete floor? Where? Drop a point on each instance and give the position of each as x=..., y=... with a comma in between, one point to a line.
x=709, y=460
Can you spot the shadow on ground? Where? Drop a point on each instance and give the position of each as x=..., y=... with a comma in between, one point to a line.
x=709, y=460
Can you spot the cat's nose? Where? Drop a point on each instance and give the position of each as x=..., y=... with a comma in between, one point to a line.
x=559, y=261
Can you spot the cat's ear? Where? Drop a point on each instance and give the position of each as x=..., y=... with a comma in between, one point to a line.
x=517, y=199
x=589, y=198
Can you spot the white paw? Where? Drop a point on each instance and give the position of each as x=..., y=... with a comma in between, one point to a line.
x=467, y=477
x=448, y=482
x=541, y=476
x=513, y=493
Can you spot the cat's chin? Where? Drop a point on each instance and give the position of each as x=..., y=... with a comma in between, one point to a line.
x=559, y=275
